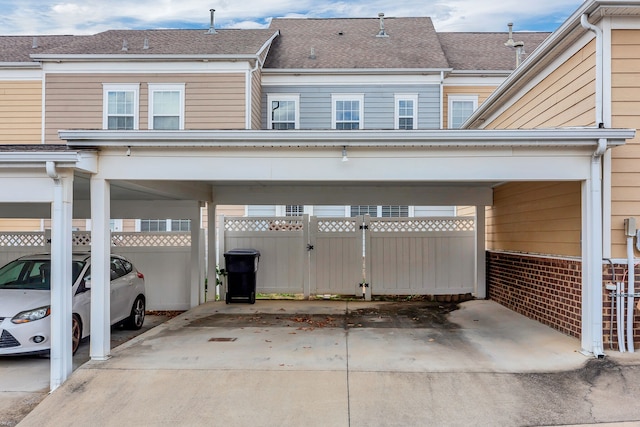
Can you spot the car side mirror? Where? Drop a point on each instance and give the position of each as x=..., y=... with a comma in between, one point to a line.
x=87, y=284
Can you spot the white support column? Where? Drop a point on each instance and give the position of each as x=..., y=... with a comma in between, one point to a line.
x=212, y=254
x=195, y=261
x=61, y=277
x=100, y=269
x=591, y=337
x=481, y=254
x=306, y=287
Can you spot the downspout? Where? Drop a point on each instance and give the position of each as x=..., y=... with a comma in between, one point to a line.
x=441, y=99
x=52, y=172
x=596, y=189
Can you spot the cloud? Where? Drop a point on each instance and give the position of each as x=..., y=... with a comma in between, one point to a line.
x=92, y=16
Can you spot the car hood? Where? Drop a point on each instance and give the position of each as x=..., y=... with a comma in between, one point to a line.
x=14, y=301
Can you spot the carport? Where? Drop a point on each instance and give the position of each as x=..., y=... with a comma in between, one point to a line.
x=133, y=172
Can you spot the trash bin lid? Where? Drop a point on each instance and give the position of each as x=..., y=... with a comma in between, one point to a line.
x=247, y=252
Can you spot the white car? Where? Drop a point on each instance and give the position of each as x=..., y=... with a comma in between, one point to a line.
x=25, y=301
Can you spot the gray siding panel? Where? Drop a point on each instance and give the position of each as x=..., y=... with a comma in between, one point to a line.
x=379, y=108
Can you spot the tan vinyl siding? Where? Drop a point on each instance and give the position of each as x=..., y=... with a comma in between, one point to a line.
x=482, y=92
x=17, y=224
x=564, y=98
x=20, y=112
x=540, y=217
x=465, y=211
x=212, y=101
x=625, y=160
x=545, y=217
x=256, y=97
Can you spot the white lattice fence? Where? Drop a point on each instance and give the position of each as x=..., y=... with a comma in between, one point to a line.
x=427, y=256
x=164, y=258
x=14, y=245
x=282, y=244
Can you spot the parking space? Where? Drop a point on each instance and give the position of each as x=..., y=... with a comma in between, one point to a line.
x=345, y=363
x=24, y=380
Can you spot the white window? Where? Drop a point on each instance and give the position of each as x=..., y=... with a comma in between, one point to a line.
x=120, y=106
x=385, y=211
x=151, y=225
x=347, y=111
x=406, y=116
x=460, y=109
x=166, y=106
x=294, y=210
x=284, y=111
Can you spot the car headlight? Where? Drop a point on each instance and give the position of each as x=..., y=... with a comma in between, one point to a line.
x=32, y=315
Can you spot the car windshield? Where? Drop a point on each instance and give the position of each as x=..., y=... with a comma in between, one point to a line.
x=32, y=274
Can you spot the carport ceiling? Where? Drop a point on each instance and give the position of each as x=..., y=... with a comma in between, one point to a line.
x=281, y=192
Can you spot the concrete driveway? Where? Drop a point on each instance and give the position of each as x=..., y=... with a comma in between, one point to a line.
x=326, y=363
x=24, y=380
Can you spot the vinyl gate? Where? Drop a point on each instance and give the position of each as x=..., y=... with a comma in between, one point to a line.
x=354, y=256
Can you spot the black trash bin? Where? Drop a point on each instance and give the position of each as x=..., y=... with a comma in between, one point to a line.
x=241, y=266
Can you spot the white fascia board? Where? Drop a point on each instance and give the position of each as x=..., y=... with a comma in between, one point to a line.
x=565, y=137
x=267, y=44
x=81, y=160
x=625, y=23
x=184, y=67
x=346, y=79
x=473, y=80
x=17, y=74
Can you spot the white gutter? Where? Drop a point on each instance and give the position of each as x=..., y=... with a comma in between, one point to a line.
x=137, y=57
x=538, y=138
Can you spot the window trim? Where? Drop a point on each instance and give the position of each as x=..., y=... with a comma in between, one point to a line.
x=166, y=87
x=459, y=98
x=121, y=87
x=405, y=97
x=295, y=97
x=347, y=97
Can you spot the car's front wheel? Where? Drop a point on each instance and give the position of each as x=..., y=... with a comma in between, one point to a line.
x=76, y=333
x=136, y=318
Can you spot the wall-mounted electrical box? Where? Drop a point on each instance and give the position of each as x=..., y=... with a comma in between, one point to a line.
x=630, y=227
x=638, y=240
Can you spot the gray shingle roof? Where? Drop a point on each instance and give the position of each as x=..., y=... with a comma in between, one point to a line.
x=486, y=51
x=167, y=42
x=18, y=48
x=352, y=43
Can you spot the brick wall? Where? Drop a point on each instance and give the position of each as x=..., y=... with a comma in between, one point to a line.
x=544, y=289
x=549, y=290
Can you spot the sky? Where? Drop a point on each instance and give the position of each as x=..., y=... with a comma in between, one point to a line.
x=78, y=17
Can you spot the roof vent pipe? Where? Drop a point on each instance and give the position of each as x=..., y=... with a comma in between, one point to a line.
x=125, y=45
x=212, y=29
x=34, y=44
x=510, y=42
x=382, y=32
x=145, y=45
